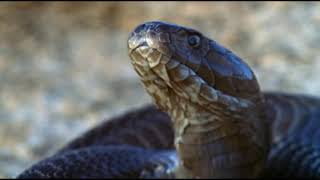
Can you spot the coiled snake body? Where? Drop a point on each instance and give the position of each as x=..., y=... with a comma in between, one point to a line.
x=211, y=119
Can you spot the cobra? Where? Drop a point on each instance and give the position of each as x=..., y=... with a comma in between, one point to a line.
x=213, y=121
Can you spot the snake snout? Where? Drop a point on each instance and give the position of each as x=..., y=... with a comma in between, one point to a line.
x=149, y=44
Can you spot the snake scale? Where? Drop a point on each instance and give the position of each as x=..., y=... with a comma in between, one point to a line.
x=209, y=119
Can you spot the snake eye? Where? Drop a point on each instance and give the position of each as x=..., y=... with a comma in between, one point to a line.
x=194, y=40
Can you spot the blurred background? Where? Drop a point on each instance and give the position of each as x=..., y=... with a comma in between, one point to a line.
x=64, y=65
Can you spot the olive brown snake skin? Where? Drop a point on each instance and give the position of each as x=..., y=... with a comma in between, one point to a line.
x=210, y=119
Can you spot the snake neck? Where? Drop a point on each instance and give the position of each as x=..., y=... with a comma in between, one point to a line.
x=213, y=141
x=219, y=143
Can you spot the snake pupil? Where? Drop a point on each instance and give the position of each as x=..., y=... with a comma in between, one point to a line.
x=194, y=41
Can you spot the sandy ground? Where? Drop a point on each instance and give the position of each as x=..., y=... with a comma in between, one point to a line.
x=64, y=66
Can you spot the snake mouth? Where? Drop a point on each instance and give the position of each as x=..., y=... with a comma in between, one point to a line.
x=153, y=52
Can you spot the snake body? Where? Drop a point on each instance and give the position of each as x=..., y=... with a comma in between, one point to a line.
x=210, y=119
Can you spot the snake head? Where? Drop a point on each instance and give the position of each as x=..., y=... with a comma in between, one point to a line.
x=192, y=65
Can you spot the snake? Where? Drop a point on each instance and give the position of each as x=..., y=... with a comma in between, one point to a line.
x=209, y=119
